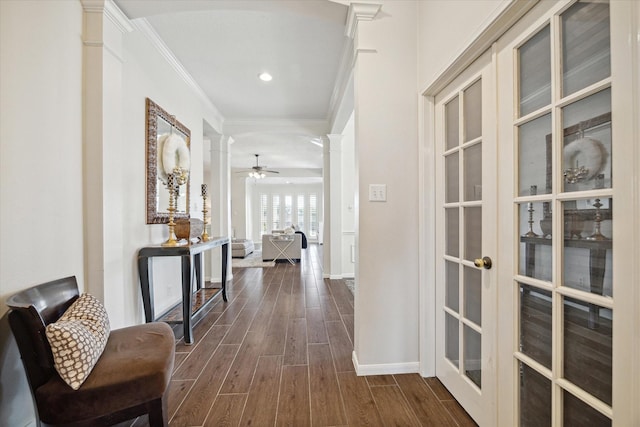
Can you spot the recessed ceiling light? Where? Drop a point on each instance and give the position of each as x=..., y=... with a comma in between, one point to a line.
x=265, y=77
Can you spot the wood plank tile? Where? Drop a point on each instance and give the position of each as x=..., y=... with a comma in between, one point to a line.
x=196, y=405
x=226, y=410
x=274, y=338
x=459, y=414
x=295, y=351
x=202, y=352
x=240, y=326
x=393, y=407
x=178, y=390
x=200, y=329
x=424, y=402
x=341, y=295
x=348, y=320
x=326, y=400
x=312, y=300
x=440, y=390
x=232, y=311
x=294, y=407
x=262, y=402
x=329, y=309
x=374, y=380
x=316, y=329
x=241, y=373
x=341, y=346
x=178, y=359
x=359, y=404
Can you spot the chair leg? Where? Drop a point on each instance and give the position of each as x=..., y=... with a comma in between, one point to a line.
x=158, y=416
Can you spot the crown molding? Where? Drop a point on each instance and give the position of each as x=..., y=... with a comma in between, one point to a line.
x=360, y=12
x=142, y=25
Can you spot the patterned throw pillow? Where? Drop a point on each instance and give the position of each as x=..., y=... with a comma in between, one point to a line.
x=78, y=338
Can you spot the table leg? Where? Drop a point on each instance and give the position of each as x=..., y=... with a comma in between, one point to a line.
x=197, y=264
x=225, y=255
x=186, y=299
x=146, y=285
x=597, y=264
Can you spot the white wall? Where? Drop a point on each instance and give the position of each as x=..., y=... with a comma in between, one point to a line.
x=386, y=135
x=347, y=206
x=147, y=74
x=446, y=28
x=41, y=221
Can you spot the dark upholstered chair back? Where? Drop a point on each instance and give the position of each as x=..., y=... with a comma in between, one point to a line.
x=32, y=310
x=130, y=379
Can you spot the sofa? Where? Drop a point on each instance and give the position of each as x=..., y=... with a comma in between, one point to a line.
x=240, y=248
x=273, y=243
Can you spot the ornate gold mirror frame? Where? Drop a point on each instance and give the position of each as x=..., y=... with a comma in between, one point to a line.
x=159, y=123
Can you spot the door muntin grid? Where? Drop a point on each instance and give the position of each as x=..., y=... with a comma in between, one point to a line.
x=463, y=231
x=563, y=206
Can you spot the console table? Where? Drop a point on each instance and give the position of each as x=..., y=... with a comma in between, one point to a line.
x=191, y=256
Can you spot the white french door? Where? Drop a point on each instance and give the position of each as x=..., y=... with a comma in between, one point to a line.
x=536, y=158
x=466, y=235
x=560, y=278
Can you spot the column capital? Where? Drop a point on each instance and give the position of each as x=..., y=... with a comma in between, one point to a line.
x=111, y=11
x=360, y=12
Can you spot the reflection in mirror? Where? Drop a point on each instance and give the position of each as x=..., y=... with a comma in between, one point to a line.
x=158, y=132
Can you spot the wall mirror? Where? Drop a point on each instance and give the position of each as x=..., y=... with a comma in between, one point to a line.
x=159, y=124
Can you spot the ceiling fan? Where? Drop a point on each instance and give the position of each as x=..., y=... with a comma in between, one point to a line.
x=258, y=171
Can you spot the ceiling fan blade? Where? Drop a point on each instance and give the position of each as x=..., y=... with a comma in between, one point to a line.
x=270, y=171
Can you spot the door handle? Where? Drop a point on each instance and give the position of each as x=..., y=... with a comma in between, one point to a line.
x=484, y=262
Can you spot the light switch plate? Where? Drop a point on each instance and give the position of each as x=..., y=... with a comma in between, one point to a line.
x=377, y=192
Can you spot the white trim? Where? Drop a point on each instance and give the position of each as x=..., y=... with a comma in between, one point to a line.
x=426, y=245
x=142, y=25
x=384, y=368
x=360, y=12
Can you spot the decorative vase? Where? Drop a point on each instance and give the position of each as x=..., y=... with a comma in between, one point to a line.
x=188, y=228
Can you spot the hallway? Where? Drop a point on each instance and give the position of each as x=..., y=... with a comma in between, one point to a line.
x=279, y=353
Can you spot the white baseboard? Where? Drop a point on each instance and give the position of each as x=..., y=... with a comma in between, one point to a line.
x=218, y=279
x=385, y=368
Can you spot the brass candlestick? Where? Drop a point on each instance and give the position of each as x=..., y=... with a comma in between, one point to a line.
x=171, y=181
x=597, y=235
x=532, y=191
x=205, y=219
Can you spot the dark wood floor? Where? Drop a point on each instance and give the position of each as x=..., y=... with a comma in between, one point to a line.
x=278, y=353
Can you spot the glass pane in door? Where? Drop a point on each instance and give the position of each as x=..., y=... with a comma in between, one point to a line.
x=579, y=414
x=473, y=233
x=452, y=334
x=535, y=324
x=535, y=228
x=473, y=172
x=452, y=120
x=586, y=153
x=473, y=111
x=586, y=52
x=535, y=72
x=587, y=249
x=535, y=398
x=452, y=177
x=452, y=288
x=588, y=347
x=473, y=355
x=534, y=156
